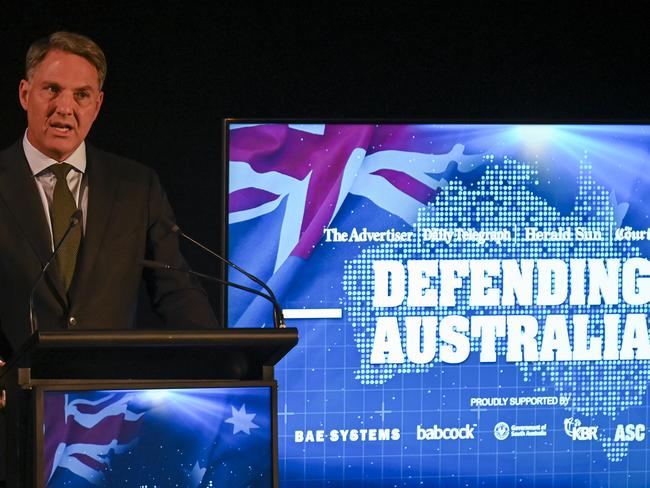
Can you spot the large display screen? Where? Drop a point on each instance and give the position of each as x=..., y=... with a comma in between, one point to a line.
x=147, y=438
x=472, y=299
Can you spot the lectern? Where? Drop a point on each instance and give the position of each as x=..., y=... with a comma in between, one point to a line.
x=144, y=408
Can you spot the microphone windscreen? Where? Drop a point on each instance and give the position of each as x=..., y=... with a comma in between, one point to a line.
x=147, y=263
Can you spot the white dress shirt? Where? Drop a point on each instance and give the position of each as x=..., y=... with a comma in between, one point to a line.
x=45, y=179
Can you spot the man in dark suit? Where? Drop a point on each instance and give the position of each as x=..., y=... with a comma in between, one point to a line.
x=125, y=215
x=48, y=175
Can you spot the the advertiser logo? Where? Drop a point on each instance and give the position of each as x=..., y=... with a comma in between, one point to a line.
x=436, y=433
x=578, y=432
x=630, y=432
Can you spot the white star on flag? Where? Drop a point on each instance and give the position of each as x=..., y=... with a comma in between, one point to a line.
x=197, y=475
x=242, y=421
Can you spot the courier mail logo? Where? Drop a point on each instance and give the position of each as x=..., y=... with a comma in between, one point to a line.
x=436, y=433
x=578, y=432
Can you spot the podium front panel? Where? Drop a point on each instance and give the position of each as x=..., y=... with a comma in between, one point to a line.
x=150, y=434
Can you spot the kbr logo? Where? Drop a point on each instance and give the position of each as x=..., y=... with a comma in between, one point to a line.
x=630, y=432
x=501, y=431
x=578, y=432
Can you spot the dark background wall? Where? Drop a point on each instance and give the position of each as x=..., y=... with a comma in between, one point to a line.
x=176, y=69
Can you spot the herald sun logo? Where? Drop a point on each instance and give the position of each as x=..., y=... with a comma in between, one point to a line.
x=630, y=432
x=578, y=432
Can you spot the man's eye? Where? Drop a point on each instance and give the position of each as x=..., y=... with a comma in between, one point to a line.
x=52, y=89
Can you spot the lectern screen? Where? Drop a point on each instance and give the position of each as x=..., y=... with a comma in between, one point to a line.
x=189, y=437
x=472, y=299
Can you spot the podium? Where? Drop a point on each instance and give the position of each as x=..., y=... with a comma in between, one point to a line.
x=85, y=404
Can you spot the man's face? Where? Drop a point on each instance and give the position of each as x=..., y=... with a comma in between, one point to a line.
x=62, y=100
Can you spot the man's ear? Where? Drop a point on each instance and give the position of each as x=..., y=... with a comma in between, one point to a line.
x=100, y=100
x=23, y=93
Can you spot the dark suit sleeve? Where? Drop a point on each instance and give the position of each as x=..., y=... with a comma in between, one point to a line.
x=176, y=297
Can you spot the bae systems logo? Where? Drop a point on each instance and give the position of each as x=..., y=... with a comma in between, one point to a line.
x=578, y=432
x=501, y=431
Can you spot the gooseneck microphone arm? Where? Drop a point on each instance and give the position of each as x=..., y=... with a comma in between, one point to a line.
x=159, y=265
x=277, y=309
x=74, y=221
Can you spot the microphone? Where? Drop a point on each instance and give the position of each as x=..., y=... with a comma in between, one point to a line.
x=278, y=316
x=277, y=309
x=74, y=221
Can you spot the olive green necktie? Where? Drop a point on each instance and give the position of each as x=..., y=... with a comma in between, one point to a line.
x=63, y=206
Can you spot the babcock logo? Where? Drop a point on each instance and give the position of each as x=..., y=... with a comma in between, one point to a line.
x=436, y=433
x=578, y=432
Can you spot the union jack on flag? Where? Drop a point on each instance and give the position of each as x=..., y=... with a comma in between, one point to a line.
x=289, y=182
x=83, y=431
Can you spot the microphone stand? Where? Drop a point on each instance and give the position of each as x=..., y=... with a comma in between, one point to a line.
x=277, y=311
x=159, y=265
x=74, y=221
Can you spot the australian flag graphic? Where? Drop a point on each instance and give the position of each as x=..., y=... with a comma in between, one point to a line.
x=144, y=438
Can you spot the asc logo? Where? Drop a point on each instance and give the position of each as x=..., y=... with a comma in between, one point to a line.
x=630, y=432
x=501, y=431
x=578, y=432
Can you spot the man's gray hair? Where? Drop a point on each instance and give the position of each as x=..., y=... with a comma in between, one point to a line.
x=68, y=42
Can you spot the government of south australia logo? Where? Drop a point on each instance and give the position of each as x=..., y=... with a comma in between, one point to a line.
x=501, y=431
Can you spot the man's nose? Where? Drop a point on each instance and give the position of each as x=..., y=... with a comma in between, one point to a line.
x=64, y=103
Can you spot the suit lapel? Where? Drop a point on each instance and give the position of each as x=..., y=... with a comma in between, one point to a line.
x=18, y=190
x=102, y=184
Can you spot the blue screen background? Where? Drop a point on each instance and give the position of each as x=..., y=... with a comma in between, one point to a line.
x=346, y=422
